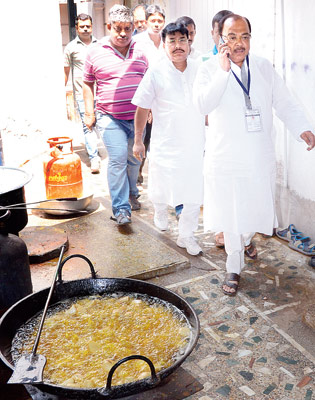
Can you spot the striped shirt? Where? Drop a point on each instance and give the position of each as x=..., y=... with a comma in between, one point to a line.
x=117, y=77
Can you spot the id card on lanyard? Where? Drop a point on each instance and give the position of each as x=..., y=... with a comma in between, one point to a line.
x=253, y=119
x=252, y=114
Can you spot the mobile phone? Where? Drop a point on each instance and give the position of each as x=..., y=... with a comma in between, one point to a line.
x=221, y=41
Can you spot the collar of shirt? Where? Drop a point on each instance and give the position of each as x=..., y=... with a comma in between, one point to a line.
x=172, y=66
x=145, y=37
x=94, y=40
x=105, y=42
x=237, y=70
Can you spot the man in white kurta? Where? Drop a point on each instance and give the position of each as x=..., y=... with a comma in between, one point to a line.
x=151, y=44
x=177, y=141
x=150, y=41
x=240, y=163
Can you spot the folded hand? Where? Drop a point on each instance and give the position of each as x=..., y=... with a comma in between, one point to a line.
x=309, y=139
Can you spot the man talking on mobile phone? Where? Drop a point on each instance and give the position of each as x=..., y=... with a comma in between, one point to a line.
x=239, y=91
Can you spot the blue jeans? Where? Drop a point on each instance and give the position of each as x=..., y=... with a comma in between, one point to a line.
x=123, y=167
x=90, y=137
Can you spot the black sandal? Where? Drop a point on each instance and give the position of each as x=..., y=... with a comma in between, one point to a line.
x=251, y=251
x=229, y=278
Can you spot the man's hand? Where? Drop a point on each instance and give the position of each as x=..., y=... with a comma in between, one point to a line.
x=309, y=139
x=141, y=118
x=223, y=54
x=89, y=120
x=88, y=95
x=139, y=150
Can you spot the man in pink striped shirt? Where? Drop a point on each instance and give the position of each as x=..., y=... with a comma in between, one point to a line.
x=117, y=67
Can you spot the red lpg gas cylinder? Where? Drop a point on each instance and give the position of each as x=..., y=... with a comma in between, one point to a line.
x=62, y=170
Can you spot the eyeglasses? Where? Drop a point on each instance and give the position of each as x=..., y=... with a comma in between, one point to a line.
x=127, y=29
x=173, y=42
x=233, y=38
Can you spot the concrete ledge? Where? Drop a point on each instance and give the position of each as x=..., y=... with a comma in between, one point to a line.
x=115, y=251
x=44, y=242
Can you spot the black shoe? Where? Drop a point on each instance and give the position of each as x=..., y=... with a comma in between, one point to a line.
x=134, y=203
x=123, y=218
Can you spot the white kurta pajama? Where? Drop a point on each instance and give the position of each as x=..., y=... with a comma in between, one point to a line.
x=240, y=166
x=177, y=137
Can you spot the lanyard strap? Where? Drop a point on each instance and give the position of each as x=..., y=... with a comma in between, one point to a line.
x=246, y=90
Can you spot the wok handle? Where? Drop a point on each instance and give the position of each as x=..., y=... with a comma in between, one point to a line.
x=6, y=214
x=52, y=287
x=134, y=357
x=93, y=273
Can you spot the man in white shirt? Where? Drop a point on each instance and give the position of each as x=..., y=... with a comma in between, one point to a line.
x=239, y=92
x=190, y=25
x=150, y=43
x=218, y=237
x=177, y=142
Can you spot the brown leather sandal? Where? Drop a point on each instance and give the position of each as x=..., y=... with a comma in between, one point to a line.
x=229, y=280
x=251, y=251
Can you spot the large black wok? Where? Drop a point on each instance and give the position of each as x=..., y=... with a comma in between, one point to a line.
x=26, y=308
x=12, y=192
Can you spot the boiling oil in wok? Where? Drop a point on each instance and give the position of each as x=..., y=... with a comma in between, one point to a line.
x=87, y=336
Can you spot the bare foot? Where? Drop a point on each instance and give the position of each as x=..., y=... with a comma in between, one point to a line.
x=228, y=288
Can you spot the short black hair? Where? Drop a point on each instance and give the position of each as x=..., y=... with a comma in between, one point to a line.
x=186, y=21
x=235, y=17
x=219, y=15
x=82, y=17
x=174, y=27
x=153, y=9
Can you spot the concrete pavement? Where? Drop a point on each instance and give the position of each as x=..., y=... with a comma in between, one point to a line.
x=253, y=346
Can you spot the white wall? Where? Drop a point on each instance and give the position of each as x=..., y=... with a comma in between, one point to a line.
x=300, y=76
x=32, y=83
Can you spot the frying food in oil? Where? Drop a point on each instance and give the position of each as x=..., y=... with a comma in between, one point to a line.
x=83, y=342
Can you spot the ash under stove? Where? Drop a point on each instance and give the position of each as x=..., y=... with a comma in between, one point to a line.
x=177, y=386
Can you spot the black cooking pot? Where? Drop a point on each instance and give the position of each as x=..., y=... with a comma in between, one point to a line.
x=26, y=308
x=12, y=182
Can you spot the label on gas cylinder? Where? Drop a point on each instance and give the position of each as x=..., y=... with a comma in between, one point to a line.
x=58, y=178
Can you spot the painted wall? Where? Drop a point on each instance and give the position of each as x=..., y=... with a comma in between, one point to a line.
x=32, y=84
x=299, y=63
x=296, y=194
